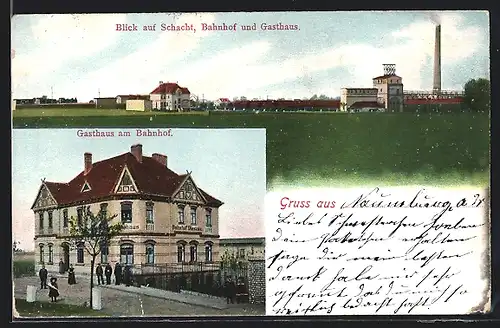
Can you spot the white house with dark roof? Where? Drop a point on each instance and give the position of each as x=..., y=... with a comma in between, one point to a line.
x=168, y=218
x=170, y=97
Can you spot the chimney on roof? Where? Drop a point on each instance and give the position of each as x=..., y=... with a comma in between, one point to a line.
x=162, y=159
x=87, y=161
x=136, y=150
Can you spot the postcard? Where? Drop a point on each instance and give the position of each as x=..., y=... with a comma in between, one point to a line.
x=176, y=218
x=252, y=163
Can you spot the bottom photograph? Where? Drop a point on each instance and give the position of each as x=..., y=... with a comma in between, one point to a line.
x=112, y=223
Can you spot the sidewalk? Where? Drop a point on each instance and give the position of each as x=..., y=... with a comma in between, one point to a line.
x=198, y=300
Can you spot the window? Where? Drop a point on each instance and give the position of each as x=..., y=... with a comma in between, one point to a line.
x=126, y=212
x=181, y=253
x=150, y=254
x=79, y=216
x=80, y=253
x=208, y=253
x=42, y=256
x=127, y=254
x=104, y=253
x=208, y=217
x=193, y=248
x=50, y=220
x=149, y=213
x=193, y=215
x=40, y=217
x=51, y=255
x=241, y=253
x=180, y=211
x=65, y=218
x=104, y=210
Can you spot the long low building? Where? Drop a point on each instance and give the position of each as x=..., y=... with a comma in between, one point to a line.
x=243, y=248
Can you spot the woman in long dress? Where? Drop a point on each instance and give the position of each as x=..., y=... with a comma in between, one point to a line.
x=53, y=289
x=71, y=275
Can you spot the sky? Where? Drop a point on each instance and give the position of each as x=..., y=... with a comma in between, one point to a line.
x=229, y=164
x=84, y=56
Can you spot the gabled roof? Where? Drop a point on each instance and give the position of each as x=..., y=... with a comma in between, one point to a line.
x=169, y=88
x=151, y=177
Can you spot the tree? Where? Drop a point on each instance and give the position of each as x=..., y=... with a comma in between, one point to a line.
x=477, y=95
x=92, y=232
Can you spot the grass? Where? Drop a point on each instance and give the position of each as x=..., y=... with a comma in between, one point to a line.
x=47, y=309
x=321, y=148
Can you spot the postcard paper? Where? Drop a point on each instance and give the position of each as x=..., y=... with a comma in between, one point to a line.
x=251, y=163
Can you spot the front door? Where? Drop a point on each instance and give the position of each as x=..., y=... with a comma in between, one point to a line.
x=66, y=256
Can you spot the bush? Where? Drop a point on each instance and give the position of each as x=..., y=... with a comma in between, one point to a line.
x=23, y=268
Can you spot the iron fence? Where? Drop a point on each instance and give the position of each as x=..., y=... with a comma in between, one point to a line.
x=206, y=278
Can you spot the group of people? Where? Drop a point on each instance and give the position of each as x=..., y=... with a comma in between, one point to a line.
x=122, y=275
x=52, y=285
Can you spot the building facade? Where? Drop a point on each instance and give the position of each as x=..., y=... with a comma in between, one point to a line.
x=170, y=97
x=167, y=218
x=244, y=249
x=350, y=96
x=138, y=105
x=105, y=102
x=390, y=89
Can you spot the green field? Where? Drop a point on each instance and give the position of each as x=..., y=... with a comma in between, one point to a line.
x=326, y=148
x=46, y=309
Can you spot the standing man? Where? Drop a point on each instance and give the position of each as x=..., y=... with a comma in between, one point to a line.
x=99, y=274
x=118, y=273
x=43, y=274
x=107, y=272
x=230, y=289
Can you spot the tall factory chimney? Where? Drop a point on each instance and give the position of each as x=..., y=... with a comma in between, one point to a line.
x=436, y=87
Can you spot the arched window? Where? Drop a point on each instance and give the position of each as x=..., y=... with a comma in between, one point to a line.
x=208, y=252
x=127, y=254
x=181, y=252
x=42, y=256
x=80, y=253
x=193, y=251
x=104, y=253
x=150, y=253
x=51, y=254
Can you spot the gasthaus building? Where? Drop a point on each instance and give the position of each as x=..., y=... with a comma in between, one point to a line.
x=167, y=218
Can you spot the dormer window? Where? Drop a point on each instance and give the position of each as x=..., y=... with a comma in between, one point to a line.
x=86, y=187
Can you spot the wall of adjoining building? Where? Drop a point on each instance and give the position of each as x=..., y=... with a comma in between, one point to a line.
x=257, y=281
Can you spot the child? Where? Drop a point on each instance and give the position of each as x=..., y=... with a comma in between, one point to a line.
x=53, y=289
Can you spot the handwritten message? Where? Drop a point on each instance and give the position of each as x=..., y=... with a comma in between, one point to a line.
x=377, y=251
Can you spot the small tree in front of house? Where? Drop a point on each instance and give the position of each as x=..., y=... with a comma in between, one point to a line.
x=91, y=232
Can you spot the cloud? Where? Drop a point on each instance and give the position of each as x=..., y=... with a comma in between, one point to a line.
x=57, y=39
x=246, y=70
x=136, y=72
x=412, y=47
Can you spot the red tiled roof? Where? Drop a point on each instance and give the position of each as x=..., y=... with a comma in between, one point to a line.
x=427, y=101
x=286, y=104
x=366, y=104
x=151, y=178
x=224, y=99
x=385, y=76
x=169, y=88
